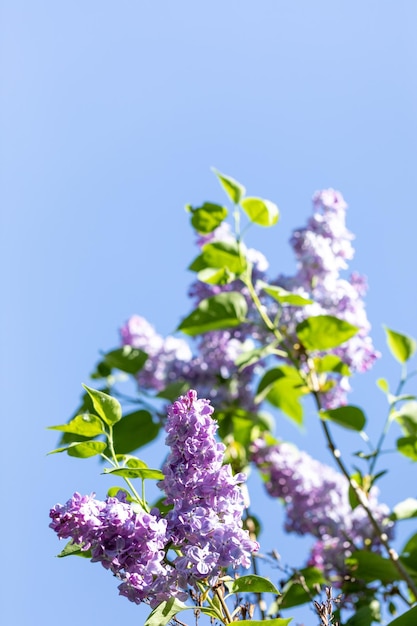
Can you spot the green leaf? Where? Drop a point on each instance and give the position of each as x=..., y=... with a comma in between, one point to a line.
x=86, y=449
x=242, y=424
x=294, y=592
x=283, y=296
x=136, y=472
x=86, y=406
x=163, y=508
x=351, y=417
x=244, y=359
x=113, y=492
x=164, y=612
x=208, y=217
x=255, y=584
x=406, y=417
x=102, y=371
x=283, y=387
x=405, y=509
x=224, y=310
x=126, y=359
x=133, y=461
x=406, y=619
x=369, y=566
x=86, y=424
x=366, y=615
x=108, y=408
x=74, y=549
x=277, y=621
x=382, y=383
x=134, y=431
x=408, y=447
x=215, y=276
x=261, y=212
x=223, y=255
x=353, y=498
x=234, y=190
x=402, y=347
x=410, y=546
x=331, y=363
x=324, y=331
x=82, y=449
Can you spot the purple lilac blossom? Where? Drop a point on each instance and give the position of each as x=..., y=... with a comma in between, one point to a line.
x=202, y=534
x=206, y=518
x=130, y=543
x=167, y=356
x=322, y=250
x=317, y=503
x=212, y=370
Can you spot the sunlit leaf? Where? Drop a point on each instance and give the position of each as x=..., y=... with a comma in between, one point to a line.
x=132, y=472
x=410, y=547
x=224, y=255
x=331, y=363
x=244, y=359
x=402, y=347
x=234, y=190
x=261, y=212
x=74, y=549
x=83, y=449
x=283, y=296
x=255, y=584
x=224, y=310
x=408, y=447
x=324, y=331
x=277, y=621
x=405, y=509
x=86, y=424
x=215, y=276
x=382, y=383
x=283, y=387
x=107, y=407
x=113, y=492
x=164, y=612
x=406, y=417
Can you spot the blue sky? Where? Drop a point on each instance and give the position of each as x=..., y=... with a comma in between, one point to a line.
x=111, y=116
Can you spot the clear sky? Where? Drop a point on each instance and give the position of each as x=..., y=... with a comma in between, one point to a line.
x=111, y=115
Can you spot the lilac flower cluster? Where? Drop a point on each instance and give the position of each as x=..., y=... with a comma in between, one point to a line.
x=212, y=370
x=317, y=503
x=154, y=557
x=127, y=542
x=322, y=250
x=206, y=519
x=167, y=357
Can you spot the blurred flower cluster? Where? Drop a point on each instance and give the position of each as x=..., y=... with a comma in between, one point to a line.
x=157, y=558
x=322, y=250
x=316, y=500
